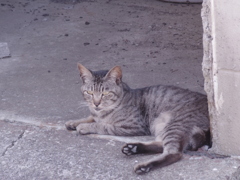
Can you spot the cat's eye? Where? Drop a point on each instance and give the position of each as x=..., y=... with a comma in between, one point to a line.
x=90, y=92
x=105, y=93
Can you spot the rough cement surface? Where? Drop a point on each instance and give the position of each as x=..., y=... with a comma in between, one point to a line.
x=4, y=51
x=42, y=153
x=154, y=42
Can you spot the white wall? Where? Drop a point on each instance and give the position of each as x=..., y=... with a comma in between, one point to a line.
x=221, y=67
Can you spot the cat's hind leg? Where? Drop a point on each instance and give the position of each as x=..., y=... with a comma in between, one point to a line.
x=172, y=152
x=142, y=147
x=72, y=124
x=161, y=160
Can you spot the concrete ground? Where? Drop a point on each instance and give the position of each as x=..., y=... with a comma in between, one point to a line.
x=154, y=42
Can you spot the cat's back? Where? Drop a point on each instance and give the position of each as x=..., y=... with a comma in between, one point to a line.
x=168, y=95
x=156, y=99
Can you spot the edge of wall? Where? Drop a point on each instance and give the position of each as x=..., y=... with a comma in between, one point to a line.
x=207, y=64
x=221, y=71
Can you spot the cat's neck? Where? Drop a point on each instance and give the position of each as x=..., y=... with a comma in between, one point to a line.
x=125, y=87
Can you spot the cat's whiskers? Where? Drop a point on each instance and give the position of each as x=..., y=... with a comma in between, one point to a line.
x=82, y=104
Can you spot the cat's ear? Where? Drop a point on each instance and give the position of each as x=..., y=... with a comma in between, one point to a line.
x=115, y=74
x=85, y=74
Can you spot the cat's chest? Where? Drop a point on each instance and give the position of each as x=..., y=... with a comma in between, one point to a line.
x=103, y=117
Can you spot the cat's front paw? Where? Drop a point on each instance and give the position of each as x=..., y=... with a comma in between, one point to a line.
x=129, y=149
x=142, y=168
x=83, y=129
x=71, y=125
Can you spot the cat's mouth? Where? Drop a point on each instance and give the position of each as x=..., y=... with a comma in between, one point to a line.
x=97, y=108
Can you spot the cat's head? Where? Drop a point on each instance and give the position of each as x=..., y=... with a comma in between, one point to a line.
x=101, y=89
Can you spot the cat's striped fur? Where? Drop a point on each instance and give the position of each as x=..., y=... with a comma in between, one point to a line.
x=178, y=118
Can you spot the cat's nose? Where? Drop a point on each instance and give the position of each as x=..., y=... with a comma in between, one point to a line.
x=97, y=103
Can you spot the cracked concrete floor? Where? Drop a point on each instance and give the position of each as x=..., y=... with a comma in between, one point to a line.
x=154, y=42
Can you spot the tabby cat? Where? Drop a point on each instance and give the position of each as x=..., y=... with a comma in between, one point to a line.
x=178, y=118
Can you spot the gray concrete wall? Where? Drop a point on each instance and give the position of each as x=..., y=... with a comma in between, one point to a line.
x=221, y=68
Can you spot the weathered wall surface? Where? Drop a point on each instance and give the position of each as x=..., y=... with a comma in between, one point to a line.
x=221, y=68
